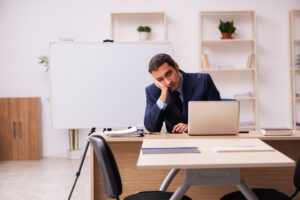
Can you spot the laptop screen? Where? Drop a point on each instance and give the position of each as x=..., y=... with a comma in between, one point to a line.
x=213, y=117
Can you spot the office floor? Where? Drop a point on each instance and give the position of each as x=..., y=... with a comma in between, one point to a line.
x=45, y=179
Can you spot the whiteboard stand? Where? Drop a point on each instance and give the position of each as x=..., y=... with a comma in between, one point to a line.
x=81, y=163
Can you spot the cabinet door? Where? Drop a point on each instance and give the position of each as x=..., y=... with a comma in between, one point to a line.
x=8, y=132
x=28, y=128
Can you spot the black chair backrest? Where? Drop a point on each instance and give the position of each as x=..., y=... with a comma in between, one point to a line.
x=297, y=175
x=108, y=167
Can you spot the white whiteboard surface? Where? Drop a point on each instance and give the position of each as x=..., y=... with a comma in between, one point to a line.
x=100, y=84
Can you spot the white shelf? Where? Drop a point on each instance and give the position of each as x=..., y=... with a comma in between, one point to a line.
x=245, y=98
x=243, y=20
x=227, y=57
x=227, y=41
x=225, y=12
x=229, y=70
x=124, y=26
x=241, y=98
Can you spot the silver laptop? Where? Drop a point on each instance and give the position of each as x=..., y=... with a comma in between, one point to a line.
x=213, y=117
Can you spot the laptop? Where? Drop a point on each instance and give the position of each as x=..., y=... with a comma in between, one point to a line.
x=213, y=117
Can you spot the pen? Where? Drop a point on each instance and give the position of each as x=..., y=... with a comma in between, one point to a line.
x=243, y=131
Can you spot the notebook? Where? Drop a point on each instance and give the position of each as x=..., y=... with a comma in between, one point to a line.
x=170, y=150
x=242, y=149
x=276, y=131
x=213, y=117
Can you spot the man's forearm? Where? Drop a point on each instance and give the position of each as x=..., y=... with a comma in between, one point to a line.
x=153, y=120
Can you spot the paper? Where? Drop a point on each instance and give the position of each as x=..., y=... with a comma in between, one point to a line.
x=131, y=132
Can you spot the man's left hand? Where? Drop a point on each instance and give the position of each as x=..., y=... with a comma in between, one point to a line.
x=180, y=128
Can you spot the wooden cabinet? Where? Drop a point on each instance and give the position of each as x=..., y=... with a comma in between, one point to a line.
x=19, y=129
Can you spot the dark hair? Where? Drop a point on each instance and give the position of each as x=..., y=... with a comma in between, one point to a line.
x=158, y=60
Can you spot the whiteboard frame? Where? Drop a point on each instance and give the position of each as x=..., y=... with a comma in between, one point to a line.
x=53, y=125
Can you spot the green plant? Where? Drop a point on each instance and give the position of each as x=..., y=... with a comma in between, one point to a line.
x=44, y=60
x=227, y=26
x=144, y=29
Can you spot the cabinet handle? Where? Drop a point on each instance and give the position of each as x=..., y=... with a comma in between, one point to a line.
x=14, y=129
x=20, y=128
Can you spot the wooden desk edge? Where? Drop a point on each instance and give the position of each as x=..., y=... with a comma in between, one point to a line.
x=251, y=134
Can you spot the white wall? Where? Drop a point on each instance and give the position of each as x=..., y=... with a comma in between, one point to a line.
x=26, y=27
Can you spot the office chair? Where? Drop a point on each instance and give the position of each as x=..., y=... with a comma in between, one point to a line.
x=269, y=194
x=111, y=177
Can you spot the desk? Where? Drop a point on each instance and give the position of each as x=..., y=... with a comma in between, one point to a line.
x=126, y=152
x=209, y=167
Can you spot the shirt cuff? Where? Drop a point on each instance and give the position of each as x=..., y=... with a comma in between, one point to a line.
x=161, y=104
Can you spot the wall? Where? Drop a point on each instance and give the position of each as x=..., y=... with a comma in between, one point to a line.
x=28, y=26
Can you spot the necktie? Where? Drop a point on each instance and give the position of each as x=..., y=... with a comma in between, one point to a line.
x=177, y=100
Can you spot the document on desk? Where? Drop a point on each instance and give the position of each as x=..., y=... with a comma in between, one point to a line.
x=131, y=132
x=170, y=150
x=242, y=149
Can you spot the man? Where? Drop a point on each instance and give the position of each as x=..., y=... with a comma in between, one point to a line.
x=168, y=96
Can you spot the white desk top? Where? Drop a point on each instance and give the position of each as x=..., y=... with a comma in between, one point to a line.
x=209, y=158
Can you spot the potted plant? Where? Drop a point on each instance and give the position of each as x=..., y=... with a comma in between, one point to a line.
x=144, y=32
x=227, y=29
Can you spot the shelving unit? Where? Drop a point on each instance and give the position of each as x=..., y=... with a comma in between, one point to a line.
x=124, y=26
x=228, y=59
x=294, y=22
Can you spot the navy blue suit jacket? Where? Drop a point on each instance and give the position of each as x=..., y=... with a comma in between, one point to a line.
x=196, y=87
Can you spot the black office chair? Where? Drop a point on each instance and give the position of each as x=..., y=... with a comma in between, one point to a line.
x=269, y=194
x=111, y=177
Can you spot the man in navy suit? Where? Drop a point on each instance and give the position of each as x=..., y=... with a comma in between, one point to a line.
x=168, y=96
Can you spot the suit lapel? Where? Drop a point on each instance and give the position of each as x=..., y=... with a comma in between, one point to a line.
x=187, y=92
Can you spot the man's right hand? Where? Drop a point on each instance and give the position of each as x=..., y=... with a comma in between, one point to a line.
x=159, y=84
x=164, y=90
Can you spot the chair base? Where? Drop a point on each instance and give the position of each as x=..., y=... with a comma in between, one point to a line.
x=262, y=194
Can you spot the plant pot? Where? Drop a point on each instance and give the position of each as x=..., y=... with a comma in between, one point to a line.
x=144, y=36
x=226, y=36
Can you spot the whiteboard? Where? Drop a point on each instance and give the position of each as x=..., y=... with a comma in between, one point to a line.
x=100, y=84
